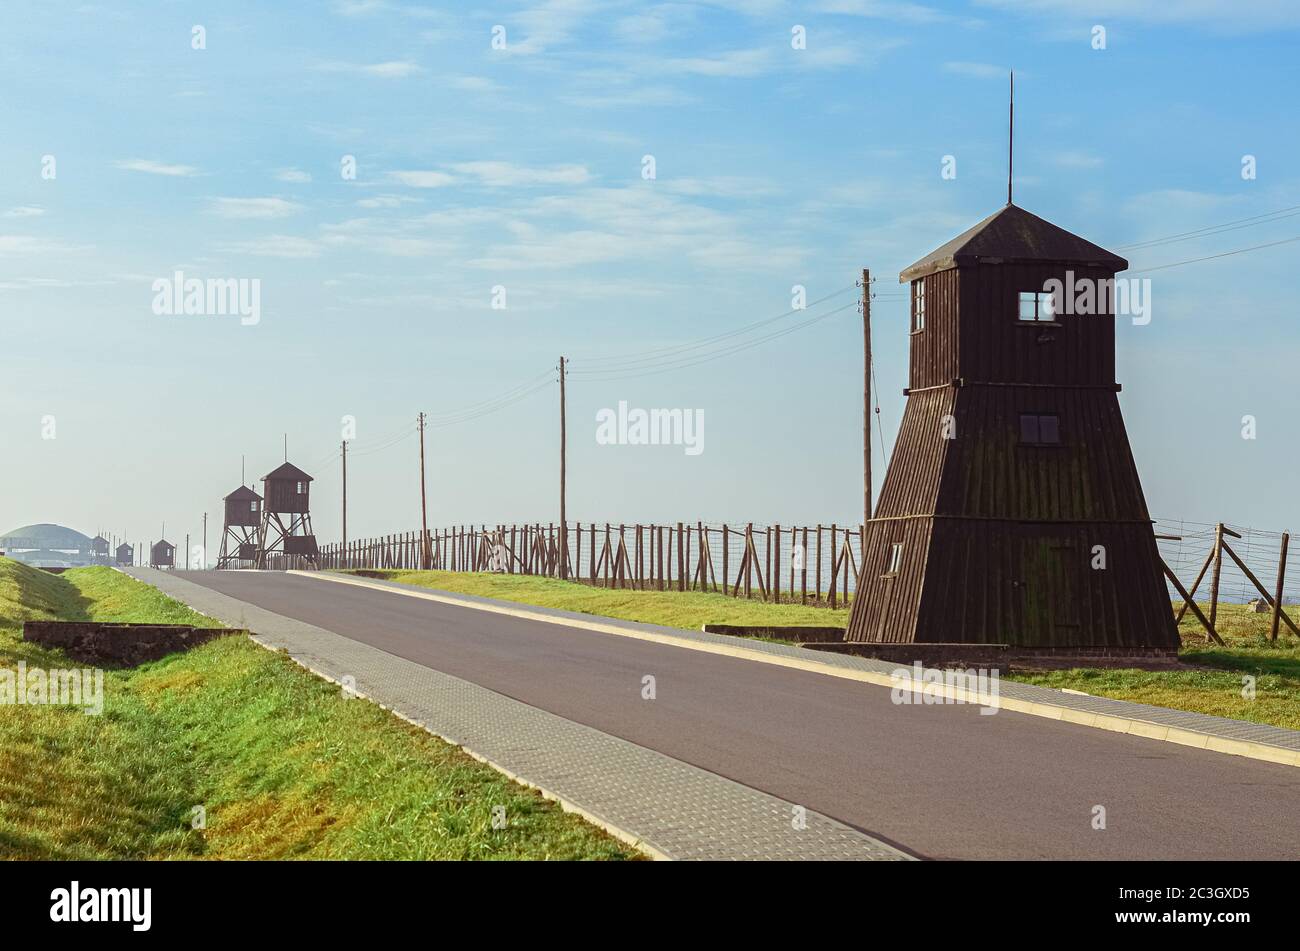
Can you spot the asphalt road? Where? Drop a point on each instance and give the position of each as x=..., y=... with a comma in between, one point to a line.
x=938, y=781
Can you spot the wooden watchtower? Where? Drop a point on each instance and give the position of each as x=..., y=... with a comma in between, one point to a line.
x=1011, y=511
x=125, y=554
x=162, y=554
x=286, y=516
x=239, y=535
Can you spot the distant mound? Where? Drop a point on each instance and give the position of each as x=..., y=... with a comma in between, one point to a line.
x=47, y=545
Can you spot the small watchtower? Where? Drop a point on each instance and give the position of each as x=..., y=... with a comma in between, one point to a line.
x=99, y=548
x=162, y=555
x=239, y=536
x=125, y=554
x=286, y=516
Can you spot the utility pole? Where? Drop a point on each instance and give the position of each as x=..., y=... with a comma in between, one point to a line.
x=345, y=495
x=866, y=395
x=203, y=566
x=187, y=551
x=564, y=525
x=424, y=507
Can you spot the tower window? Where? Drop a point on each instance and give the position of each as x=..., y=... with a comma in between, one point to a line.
x=252, y=506
x=1036, y=307
x=302, y=488
x=895, y=558
x=1037, y=429
x=918, y=306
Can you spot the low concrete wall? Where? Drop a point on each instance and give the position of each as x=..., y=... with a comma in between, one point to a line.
x=793, y=633
x=119, y=645
x=1005, y=657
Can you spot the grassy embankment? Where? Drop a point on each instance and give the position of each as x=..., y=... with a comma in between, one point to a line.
x=283, y=764
x=1214, y=687
x=683, y=609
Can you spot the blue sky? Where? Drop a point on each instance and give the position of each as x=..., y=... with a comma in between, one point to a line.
x=522, y=168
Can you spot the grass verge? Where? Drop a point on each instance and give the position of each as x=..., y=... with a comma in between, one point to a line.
x=283, y=765
x=681, y=609
x=1218, y=684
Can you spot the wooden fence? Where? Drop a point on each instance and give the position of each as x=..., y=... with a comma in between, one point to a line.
x=1202, y=551
x=816, y=565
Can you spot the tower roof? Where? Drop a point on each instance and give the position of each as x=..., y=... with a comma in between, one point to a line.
x=241, y=494
x=1012, y=235
x=289, y=472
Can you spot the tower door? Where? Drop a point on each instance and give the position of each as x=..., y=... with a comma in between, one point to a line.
x=1051, y=583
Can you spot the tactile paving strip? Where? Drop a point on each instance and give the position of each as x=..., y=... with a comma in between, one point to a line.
x=674, y=809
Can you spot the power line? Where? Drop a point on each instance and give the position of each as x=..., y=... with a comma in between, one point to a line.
x=1211, y=257
x=665, y=352
x=1266, y=218
x=601, y=374
x=467, y=417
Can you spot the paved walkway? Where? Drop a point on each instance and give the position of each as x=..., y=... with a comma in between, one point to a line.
x=670, y=808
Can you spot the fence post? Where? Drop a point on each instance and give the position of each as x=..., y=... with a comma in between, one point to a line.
x=681, y=560
x=1277, y=596
x=817, y=595
x=834, y=566
x=803, y=574
x=1218, y=565
x=775, y=576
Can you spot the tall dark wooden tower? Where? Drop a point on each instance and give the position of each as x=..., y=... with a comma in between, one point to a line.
x=239, y=535
x=125, y=554
x=285, y=492
x=1011, y=511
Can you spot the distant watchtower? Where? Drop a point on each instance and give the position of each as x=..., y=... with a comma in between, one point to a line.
x=285, y=493
x=99, y=546
x=125, y=554
x=239, y=536
x=1011, y=511
x=162, y=555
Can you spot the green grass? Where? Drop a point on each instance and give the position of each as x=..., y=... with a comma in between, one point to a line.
x=284, y=765
x=1213, y=685
x=682, y=609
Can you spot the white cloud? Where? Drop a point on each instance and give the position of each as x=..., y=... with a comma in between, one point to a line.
x=887, y=10
x=25, y=211
x=276, y=246
x=733, y=63
x=1232, y=17
x=156, y=168
x=20, y=244
x=396, y=69
x=253, y=207
x=357, y=8
x=295, y=175
x=547, y=24
x=422, y=179
x=507, y=174
x=384, y=201
x=1070, y=159
x=473, y=84
x=493, y=174
x=977, y=70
